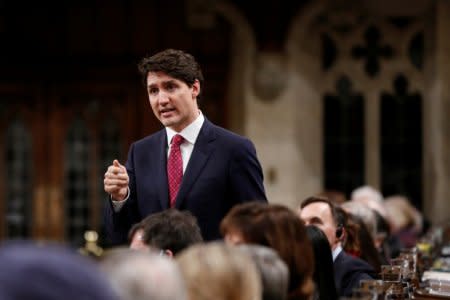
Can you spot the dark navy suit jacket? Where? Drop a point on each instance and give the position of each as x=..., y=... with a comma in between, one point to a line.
x=348, y=271
x=223, y=170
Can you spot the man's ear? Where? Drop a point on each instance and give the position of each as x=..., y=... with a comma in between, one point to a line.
x=166, y=252
x=195, y=88
x=339, y=231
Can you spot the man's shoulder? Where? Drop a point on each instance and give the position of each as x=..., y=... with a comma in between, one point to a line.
x=151, y=138
x=349, y=271
x=351, y=263
x=225, y=134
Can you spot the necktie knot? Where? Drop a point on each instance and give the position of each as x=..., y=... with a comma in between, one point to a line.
x=177, y=140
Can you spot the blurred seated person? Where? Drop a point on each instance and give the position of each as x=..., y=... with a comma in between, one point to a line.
x=406, y=222
x=363, y=220
x=364, y=213
x=143, y=275
x=170, y=231
x=277, y=227
x=325, y=288
x=348, y=270
x=272, y=269
x=370, y=197
x=217, y=271
x=50, y=272
x=388, y=245
x=136, y=237
x=359, y=242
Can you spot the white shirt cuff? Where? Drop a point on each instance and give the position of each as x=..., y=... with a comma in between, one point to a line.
x=117, y=205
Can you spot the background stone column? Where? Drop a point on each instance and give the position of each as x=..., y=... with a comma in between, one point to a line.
x=437, y=119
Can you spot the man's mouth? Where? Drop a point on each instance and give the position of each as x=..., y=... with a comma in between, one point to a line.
x=166, y=112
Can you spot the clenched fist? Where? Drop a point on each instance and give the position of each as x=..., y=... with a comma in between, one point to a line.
x=116, y=181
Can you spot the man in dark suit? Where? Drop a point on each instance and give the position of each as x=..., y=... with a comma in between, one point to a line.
x=348, y=270
x=191, y=164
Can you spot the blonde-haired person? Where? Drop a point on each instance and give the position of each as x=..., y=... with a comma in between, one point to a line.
x=142, y=275
x=370, y=197
x=407, y=221
x=218, y=271
x=273, y=270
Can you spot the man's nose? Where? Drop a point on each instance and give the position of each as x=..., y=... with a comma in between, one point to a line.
x=163, y=97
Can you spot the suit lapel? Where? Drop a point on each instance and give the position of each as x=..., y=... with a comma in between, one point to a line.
x=161, y=171
x=203, y=148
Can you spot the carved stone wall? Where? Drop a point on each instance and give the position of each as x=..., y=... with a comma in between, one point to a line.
x=378, y=60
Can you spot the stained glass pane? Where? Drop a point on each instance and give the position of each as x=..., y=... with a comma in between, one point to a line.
x=416, y=50
x=401, y=142
x=18, y=173
x=329, y=52
x=76, y=170
x=343, y=138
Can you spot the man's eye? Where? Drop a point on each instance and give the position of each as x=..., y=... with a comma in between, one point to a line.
x=315, y=222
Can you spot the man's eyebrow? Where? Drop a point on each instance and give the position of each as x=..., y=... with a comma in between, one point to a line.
x=166, y=82
x=171, y=81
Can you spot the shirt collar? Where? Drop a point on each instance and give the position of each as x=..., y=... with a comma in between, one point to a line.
x=190, y=132
x=336, y=252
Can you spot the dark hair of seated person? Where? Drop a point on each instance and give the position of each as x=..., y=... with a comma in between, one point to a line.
x=362, y=244
x=369, y=252
x=278, y=227
x=172, y=230
x=323, y=264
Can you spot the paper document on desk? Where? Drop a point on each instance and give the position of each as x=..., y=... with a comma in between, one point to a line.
x=439, y=282
x=436, y=275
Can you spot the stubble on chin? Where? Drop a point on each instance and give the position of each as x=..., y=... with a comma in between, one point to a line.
x=167, y=122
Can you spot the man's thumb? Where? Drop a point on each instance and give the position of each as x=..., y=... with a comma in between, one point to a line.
x=116, y=163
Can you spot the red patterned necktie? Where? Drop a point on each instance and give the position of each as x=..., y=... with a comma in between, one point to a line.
x=175, y=168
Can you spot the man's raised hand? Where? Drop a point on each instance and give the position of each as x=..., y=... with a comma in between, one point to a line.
x=116, y=181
